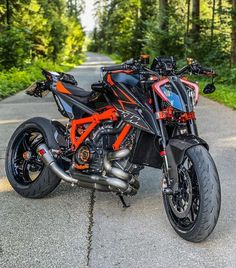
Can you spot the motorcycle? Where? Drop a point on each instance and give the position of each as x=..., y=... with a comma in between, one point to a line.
x=136, y=116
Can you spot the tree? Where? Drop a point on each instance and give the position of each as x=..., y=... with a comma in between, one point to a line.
x=164, y=23
x=213, y=19
x=195, y=31
x=31, y=29
x=233, y=34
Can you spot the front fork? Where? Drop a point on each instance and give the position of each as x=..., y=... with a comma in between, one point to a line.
x=166, y=182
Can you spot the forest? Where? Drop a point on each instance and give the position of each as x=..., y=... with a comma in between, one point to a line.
x=37, y=33
x=203, y=30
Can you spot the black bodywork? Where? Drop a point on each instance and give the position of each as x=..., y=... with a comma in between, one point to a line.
x=132, y=100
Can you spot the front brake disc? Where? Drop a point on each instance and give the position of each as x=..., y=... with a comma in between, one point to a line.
x=181, y=201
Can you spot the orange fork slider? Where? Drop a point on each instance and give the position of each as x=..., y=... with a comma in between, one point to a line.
x=95, y=119
x=121, y=137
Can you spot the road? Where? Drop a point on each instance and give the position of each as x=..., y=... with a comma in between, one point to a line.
x=75, y=228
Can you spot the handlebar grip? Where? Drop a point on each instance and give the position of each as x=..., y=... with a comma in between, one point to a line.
x=114, y=68
x=207, y=71
x=183, y=70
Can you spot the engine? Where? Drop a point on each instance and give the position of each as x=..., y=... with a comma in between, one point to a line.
x=96, y=155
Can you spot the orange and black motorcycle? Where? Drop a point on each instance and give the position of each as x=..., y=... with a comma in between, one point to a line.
x=137, y=116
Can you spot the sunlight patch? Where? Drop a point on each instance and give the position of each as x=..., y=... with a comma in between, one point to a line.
x=5, y=185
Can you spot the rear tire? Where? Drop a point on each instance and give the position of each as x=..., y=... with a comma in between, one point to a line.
x=205, y=199
x=26, y=173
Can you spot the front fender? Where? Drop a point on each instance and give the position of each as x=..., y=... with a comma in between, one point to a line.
x=176, y=149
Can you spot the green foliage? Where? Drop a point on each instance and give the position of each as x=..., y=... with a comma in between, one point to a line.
x=34, y=34
x=14, y=80
x=33, y=29
x=14, y=48
x=128, y=28
x=74, y=42
x=224, y=93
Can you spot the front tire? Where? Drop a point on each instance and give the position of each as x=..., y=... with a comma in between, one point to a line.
x=193, y=209
x=25, y=171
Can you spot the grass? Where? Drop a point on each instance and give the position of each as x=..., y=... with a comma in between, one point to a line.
x=15, y=80
x=115, y=57
x=225, y=93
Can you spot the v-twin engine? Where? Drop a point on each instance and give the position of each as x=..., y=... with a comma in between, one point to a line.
x=113, y=179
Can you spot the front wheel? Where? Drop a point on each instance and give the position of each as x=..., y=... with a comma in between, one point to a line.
x=193, y=209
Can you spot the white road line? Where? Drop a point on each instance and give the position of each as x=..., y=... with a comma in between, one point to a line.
x=16, y=121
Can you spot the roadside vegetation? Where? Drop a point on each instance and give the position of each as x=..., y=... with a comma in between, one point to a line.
x=38, y=34
x=203, y=30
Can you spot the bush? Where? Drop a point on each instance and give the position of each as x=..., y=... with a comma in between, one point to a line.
x=14, y=80
x=14, y=48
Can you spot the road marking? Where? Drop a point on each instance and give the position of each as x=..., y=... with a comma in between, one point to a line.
x=17, y=121
x=97, y=63
x=5, y=185
x=12, y=121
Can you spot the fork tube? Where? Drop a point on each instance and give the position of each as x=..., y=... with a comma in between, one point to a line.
x=157, y=109
x=162, y=144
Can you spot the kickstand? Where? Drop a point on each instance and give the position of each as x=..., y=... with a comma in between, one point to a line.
x=123, y=202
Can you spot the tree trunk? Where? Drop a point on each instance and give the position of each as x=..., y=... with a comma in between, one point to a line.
x=195, y=32
x=8, y=12
x=220, y=10
x=213, y=20
x=188, y=17
x=186, y=41
x=164, y=24
x=233, y=34
x=164, y=15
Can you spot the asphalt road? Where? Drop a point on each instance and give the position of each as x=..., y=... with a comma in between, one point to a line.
x=75, y=228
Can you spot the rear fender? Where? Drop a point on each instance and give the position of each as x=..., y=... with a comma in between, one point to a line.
x=176, y=150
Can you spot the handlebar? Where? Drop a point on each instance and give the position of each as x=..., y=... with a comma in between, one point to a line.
x=196, y=69
x=115, y=68
x=207, y=71
x=130, y=64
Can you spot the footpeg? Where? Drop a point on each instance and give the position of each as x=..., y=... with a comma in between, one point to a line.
x=167, y=191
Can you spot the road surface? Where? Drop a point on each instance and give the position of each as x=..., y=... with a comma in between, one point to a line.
x=74, y=228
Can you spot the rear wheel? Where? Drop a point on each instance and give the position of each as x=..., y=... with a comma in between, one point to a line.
x=193, y=209
x=25, y=171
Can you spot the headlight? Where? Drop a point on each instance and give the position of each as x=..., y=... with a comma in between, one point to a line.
x=172, y=96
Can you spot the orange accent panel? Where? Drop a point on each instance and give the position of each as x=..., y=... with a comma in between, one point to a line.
x=85, y=166
x=95, y=119
x=121, y=102
x=109, y=80
x=168, y=114
x=187, y=116
x=127, y=96
x=121, y=137
x=62, y=89
x=123, y=71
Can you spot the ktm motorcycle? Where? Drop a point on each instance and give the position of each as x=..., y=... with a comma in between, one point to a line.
x=136, y=116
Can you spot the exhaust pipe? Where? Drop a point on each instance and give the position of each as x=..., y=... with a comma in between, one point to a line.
x=89, y=181
x=113, y=156
x=49, y=161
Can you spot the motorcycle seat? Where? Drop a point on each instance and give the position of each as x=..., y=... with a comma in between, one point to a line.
x=77, y=91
